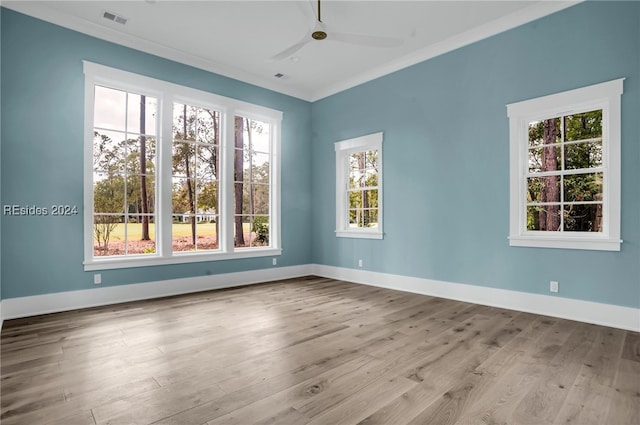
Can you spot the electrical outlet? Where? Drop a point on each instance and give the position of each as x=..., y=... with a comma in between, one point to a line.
x=359, y=263
x=274, y=262
x=97, y=279
x=553, y=286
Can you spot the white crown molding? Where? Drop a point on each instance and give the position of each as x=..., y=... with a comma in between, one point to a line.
x=565, y=308
x=40, y=11
x=13, y=308
x=497, y=26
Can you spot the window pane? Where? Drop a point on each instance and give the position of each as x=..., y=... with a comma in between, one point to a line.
x=183, y=232
x=207, y=197
x=370, y=218
x=543, y=217
x=109, y=108
x=359, y=217
x=108, y=235
x=370, y=198
x=545, y=159
x=108, y=193
x=183, y=195
x=135, y=149
x=583, y=187
x=208, y=126
x=135, y=243
x=136, y=197
x=371, y=178
x=357, y=161
x=355, y=199
x=184, y=159
x=208, y=161
x=207, y=232
x=372, y=160
x=260, y=235
x=583, y=218
x=184, y=122
x=583, y=155
x=109, y=151
x=356, y=179
x=255, y=199
x=144, y=145
x=586, y=125
x=544, y=132
x=141, y=114
x=355, y=217
x=543, y=189
x=260, y=161
x=197, y=232
x=242, y=231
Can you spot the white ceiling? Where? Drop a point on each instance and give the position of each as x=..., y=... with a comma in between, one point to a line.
x=237, y=38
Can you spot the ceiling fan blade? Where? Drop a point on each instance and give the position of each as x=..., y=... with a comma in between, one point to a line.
x=290, y=50
x=365, y=40
x=307, y=9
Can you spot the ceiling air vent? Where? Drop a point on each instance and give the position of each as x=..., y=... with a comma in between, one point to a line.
x=115, y=18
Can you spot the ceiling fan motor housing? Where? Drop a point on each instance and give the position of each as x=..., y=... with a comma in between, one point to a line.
x=319, y=35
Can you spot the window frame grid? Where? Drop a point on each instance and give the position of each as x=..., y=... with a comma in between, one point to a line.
x=167, y=94
x=343, y=150
x=604, y=96
x=563, y=172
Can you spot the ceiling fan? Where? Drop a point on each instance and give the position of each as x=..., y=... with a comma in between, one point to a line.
x=320, y=32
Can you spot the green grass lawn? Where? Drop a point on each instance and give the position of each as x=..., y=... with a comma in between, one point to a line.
x=134, y=230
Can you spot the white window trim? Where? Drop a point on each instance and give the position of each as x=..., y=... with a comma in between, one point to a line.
x=343, y=150
x=605, y=96
x=168, y=93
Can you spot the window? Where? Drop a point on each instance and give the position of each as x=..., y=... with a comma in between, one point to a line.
x=565, y=169
x=359, y=187
x=175, y=175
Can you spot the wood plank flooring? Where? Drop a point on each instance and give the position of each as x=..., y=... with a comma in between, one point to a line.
x=314, y=351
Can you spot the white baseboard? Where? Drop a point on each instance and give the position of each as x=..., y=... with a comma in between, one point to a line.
x=565, y=308
x=13, y=308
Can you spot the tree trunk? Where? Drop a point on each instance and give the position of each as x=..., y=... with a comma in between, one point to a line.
x=215, y=166
x=252, y=208
x=143, y=171
x=550, y=215
x=362, y=164
x=192, y=205
x=238, y=177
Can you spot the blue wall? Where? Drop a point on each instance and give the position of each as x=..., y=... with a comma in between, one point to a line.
x=446, y=157
x=42, y=156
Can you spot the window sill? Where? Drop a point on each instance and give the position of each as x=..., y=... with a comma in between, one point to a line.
x=178, y=258
x=359, y=234
x=597, y=244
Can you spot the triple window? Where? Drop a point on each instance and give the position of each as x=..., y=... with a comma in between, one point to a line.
x=175, y=174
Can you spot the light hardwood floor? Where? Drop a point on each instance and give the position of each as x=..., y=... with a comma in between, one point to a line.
x=315, y=351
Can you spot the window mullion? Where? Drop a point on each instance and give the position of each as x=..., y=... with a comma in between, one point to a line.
x=227, y=150
x=163, y=181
